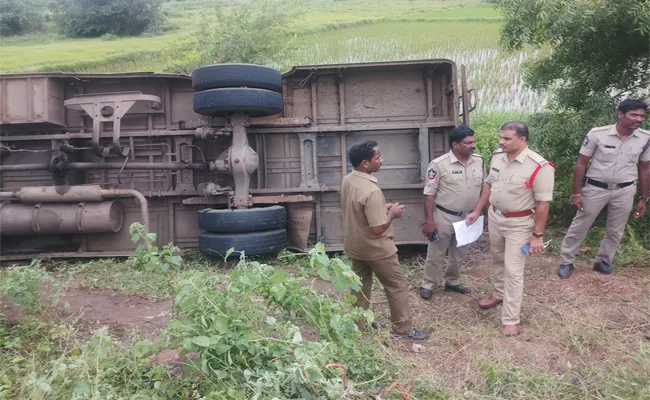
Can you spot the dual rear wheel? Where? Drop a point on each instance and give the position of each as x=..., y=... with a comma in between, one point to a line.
x=224, y=89
x=254, y=231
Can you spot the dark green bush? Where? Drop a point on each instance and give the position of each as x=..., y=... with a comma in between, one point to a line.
x=21, y=16
x=256, y=32
x=94, y=18
x=558, y=136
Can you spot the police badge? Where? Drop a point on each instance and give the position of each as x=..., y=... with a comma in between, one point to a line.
x=431, y=176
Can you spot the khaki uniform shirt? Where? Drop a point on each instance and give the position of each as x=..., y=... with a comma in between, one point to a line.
x=509, y=181
x=364, y=206
x=614, y=160
x=455, y=186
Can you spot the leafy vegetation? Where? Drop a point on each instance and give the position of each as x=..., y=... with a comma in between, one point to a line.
x=94, y=18
x=21, y=16
x=600, y=48
x=165, y=261
x=260, y=332
x=257, y=332
x=260, y=33
x=26, y=286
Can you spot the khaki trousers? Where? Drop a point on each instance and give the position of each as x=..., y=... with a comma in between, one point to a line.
x=619, y=203
x=436, y=252
x=507, y=235
x=389, y=272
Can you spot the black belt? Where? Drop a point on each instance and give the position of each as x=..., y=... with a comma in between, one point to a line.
x=454, y=213
x=608, y=186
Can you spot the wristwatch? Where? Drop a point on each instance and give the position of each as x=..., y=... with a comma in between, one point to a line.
x=644, y=198
x=538, y=235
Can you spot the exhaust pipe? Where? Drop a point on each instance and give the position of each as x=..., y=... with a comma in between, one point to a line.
x=67, y=194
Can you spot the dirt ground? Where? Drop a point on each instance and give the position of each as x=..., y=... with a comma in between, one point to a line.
x=125, y=316
x=566, y=324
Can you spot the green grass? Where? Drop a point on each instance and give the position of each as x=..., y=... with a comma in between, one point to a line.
x=586, y=347
x=48, y=50
x=328, y=12
x=43, y=56
x=507, y=381
x=421, y=35
x=329, y=31
x=125, y=277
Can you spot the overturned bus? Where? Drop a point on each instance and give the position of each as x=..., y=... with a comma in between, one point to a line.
x=234, y=156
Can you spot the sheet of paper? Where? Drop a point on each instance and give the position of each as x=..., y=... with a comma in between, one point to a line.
x=468, y=234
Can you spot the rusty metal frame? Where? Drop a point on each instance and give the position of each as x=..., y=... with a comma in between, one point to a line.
x=465, y=95
x=120, y=103
x=309, y=160
x=327, y=88
x=242, y=160
x=261, y=130
x=270, y=199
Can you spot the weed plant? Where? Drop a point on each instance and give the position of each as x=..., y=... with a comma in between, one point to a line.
x=259, y=333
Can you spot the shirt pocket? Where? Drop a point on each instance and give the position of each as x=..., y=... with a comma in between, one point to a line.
x=606, y=155
x=517, y=184
x=633, y=156
x=454, y=181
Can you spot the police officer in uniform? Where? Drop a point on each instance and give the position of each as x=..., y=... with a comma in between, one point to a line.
x=452, y=189
x=368, y=238
x=619, y=154
x=518, y=188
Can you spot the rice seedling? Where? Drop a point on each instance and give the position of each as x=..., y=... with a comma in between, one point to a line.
x=496, y=74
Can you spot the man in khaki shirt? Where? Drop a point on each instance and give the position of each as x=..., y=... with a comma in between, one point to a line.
x=519, y=188
x=619, y=154
x=452, y=188
x=368, y=238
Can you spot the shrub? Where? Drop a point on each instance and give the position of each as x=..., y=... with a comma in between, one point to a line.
x=257, y=32
x=31, y=287
x=558, y=137
x=94, y=18
x=486, y=126
x=20, y=16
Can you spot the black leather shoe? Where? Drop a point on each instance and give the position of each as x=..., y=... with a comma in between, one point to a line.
x=565, y=271
x=414, y=335
x=426, y=293
x=603, y=268
x=457, y=288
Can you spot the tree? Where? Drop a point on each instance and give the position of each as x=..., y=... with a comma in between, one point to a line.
x=256, y=32
x=20, y=16
x=600, y=48
x=92, y=18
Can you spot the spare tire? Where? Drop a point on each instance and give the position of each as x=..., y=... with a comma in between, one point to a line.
x=253, y=102
x=236, y=75
x=242, y=221
x=252, y=244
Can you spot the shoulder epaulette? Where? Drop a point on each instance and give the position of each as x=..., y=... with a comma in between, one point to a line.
x=498, y=151
x=541, y=163
x=477, y=155
x=538, y=159
x=442, y=157
x=602, y=128
x=647, y=132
